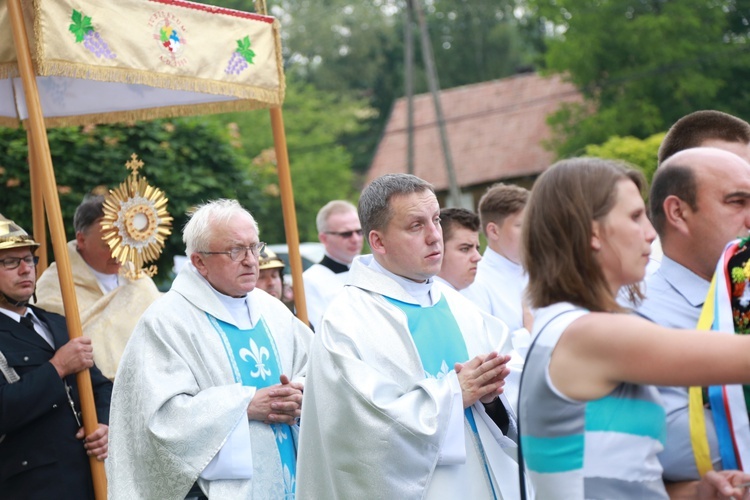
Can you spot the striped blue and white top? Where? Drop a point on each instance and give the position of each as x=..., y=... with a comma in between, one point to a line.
x=600, y=449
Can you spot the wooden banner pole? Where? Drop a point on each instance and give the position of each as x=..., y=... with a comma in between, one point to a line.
x=37, y=208
x=290, y=215
x=42, y=157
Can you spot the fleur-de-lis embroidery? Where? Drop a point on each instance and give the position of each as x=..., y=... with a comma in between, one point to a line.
x=444, y=370
x=259, y=355
x=281, y=435
x=290, y=483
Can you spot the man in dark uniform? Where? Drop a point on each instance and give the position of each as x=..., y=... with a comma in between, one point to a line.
x=43, y=450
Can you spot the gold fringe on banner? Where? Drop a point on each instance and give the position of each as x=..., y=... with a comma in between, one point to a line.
x=279, y=61
x=165, y=81
x=152, y=113
x=8, y=70
x=9, y=122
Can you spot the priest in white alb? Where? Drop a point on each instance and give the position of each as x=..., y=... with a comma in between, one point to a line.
x=209, y=388
x=403, y=395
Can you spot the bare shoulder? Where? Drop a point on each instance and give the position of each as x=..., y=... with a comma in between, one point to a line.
x=605, y=324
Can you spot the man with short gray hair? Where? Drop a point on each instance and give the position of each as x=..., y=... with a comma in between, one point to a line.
x=341, y=234
x=210, y=385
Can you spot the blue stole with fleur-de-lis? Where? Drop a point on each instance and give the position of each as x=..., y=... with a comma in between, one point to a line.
x=439, y=342
x=255, y=363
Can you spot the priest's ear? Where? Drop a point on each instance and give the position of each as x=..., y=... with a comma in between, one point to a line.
x=197, y=260
x=377, y=244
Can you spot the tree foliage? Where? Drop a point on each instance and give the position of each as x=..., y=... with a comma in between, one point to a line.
x=320, y=166
x=641, y=153
x=477, y=40
x=191, y=160
x=642, y=64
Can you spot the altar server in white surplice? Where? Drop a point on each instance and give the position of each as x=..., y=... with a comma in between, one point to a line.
x=501, y=279
x=403, y=392
x=209, y=388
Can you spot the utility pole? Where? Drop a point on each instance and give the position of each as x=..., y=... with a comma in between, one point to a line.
x=409, y=83
x=455, y=193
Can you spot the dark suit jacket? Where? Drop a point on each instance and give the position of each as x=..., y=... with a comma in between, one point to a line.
x=40, y=458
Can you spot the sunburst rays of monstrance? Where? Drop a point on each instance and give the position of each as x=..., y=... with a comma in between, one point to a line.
x=136, y=222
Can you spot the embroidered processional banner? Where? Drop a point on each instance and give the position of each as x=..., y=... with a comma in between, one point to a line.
x=725, y=311
x=140, y=59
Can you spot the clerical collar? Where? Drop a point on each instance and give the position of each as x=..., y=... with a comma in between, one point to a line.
x=334, y=265
x=421, y=292
x=242, y=310
x=107, y=282
x=238, y=308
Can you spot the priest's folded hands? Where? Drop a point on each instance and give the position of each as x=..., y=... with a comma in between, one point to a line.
x=277, y=404
x=482, y=378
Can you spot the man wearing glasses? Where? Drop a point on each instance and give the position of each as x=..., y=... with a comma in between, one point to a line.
x=341, y=234
x=43, y=452
x=209, y=387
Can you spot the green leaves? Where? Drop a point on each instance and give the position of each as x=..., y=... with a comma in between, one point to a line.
x=642, y=64
x=243, y=47
x=80, y=26
x=641, y=153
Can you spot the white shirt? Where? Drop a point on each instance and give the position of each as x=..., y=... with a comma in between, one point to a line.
x=321, y=286
x=498, y=288
x=39, y=326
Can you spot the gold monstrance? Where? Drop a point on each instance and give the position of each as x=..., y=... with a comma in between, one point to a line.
x=136, y=222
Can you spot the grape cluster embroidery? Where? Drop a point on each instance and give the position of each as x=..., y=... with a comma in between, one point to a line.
x=241, y=58
x=84, y=32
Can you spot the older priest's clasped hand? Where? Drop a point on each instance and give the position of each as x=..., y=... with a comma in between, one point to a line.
x=277, y=404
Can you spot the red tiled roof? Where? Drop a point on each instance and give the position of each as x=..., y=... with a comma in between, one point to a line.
x=495, y=131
